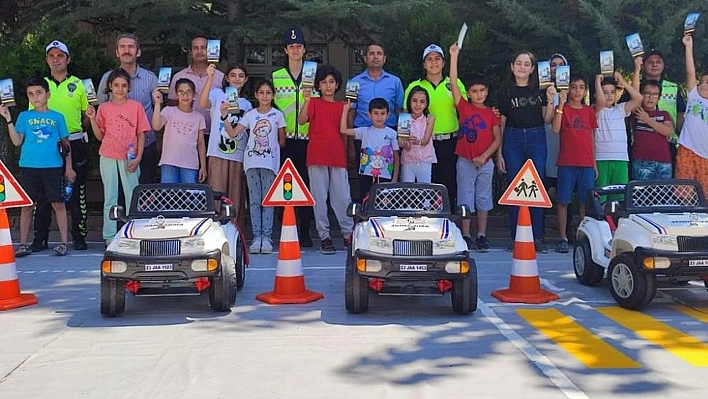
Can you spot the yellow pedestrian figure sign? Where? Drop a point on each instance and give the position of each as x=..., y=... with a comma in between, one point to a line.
x=288, y=189
x=526, y=189
x=12, y=195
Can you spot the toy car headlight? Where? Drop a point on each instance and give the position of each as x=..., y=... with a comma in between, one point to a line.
x=380, y=242
x=664, y=240
x=128, y=243
x=193, y=243
x=442, y=244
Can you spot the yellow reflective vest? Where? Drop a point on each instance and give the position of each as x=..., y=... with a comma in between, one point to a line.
x=289, y=100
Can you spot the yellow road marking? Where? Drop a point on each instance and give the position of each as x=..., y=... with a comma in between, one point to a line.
x=678, y=343
x=576, y=340
x=700, y=314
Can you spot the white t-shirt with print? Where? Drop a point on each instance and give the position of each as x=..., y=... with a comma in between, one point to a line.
x=377, y=147
x=694, y=133
x=611, y=134
x=220, y=145
x=262, y=148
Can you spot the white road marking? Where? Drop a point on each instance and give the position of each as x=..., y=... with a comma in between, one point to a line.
x=550, y=286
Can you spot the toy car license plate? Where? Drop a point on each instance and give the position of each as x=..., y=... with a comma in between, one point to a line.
x=699, y=262
x=158, y=268
x=414, y=268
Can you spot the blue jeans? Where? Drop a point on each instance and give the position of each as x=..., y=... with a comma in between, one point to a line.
x=649, y=170
x=518, y=146
x=175, y=174
x=259, y=181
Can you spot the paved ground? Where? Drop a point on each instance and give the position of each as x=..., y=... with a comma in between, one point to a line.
x=172, y=347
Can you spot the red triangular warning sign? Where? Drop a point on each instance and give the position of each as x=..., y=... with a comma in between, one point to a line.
x=526, y=189
x=288, y=189
x=12, y=195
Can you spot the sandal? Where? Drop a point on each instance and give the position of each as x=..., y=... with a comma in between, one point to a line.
x=22, y=250
x=60, y=249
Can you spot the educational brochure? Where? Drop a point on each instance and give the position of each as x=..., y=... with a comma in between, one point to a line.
x=90, y=91
x=232, y=98
x=634, y=42
x=7, y=93
x=461, y=36
x=563, y=77
x=213, y=50
x=544, y=74
x=163, y=79
x=309, y=69
x=352, y=91
x=404, y=124
x=689, y=26
x=607, y=62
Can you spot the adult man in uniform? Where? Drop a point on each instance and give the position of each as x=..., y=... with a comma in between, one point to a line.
x=142, y=84
x=68, y=97
x=289, y=99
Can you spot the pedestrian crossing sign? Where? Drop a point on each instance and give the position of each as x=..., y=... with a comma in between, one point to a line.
x=288, y=189
x=12, y=195
x=526, y=189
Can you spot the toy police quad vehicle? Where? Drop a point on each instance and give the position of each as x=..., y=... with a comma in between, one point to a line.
x=174, y=242
x=405, y=243
x=659, y=232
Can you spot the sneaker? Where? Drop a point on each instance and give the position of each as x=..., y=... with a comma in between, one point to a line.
x=255, y=247
x=266, y=246
x=510, y=247
x=482, y=244
x=60, y=249
x=22, y=250
x=468, y=241
x=562, y=246
x=38, y=245
x=80, y=244
x=540, y=246
x=327, y=247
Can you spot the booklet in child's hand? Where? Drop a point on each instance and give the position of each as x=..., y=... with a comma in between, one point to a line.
x=689, y=26
x=309, y=69
x=163, y=79
x=607, y=62
x=231, y=93
x=634, y=42
x=544, y=74
x=213, y=50
x=461, y=36
x=404, y=124
x=563, y=77
x=352, y=91
x=7, y=93
x=90, y=91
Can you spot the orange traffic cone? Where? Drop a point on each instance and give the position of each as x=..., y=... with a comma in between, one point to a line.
x=289, y=280
x=10, y=296
x=524, y=284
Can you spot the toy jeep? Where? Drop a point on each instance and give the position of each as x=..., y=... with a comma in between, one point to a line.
x=405, y=243
x=658, y=232
x=173, y=242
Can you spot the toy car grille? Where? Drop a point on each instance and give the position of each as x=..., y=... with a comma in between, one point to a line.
x=172, y=199
x=689, y=243
x=160, y=248
x=412, y=248
x=665, y=195
x=408, y=199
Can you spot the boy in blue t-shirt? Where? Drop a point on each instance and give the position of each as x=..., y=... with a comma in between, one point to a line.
x=41, y=133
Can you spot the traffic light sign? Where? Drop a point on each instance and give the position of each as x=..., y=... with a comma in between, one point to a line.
x=288, y=189
x=2, y=188
x=288, y=186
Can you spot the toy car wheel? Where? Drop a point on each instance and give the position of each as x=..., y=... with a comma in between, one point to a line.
x=464, y=292
x=222, y=290
x=630, y=287
x=356, y=289
x=586, y=271
x=240, y=266
x=112, y=296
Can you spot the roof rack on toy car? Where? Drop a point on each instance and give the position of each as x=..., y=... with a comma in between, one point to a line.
x=172, y=200
x=665, y=196
x=407, y=199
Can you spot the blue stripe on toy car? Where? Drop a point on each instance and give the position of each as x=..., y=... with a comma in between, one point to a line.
x=658, y=227
x=196, y=228
x=377, y=229
x=128, y=230
x=445, y=229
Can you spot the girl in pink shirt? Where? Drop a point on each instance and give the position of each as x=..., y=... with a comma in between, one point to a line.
x=418, y=154
x=119, y=125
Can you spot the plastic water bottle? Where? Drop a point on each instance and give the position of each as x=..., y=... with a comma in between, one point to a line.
x=68, y=189
x=131, y=152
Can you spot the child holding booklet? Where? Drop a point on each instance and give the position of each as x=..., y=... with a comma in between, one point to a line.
x=418, y=155
x=183, y=149
x=326, y=155
x=692, y=158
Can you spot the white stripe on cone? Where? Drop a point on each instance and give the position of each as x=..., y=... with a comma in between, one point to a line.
x=289, y=268
x=5, y=238
x=524, y=234
x=524, y=268
x=8, y=272
x=288, y=234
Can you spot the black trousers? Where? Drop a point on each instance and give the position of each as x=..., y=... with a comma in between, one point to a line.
x=77, y=206
x=296, y=150
x=445, y=171
x=148, y=164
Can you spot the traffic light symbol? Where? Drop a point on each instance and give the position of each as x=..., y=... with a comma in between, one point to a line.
x=2, y=188
x=287, y=187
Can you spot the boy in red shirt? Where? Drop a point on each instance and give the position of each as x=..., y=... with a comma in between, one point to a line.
x=326, y=156
x=576, y=123
x=479, y=137
x=651, y=129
